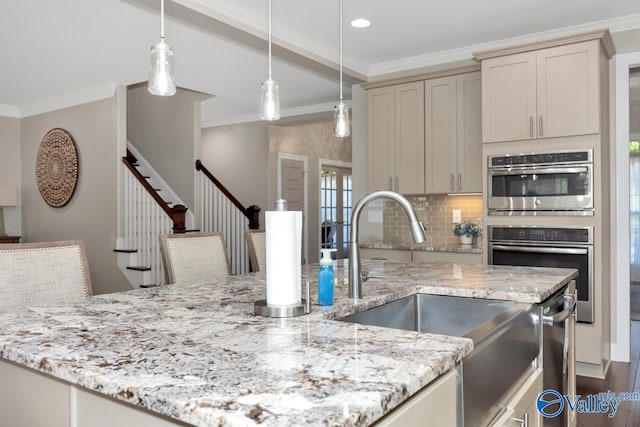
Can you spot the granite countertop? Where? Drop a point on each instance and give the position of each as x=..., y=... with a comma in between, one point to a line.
x=198, y=354
x=426, y=247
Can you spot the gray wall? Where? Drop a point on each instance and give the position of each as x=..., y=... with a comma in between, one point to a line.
x=91, y=215
x=314, y=140
x=166, y=131
x=10, y=170
x=237, y=156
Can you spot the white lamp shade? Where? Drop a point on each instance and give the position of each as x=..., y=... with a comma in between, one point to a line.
x=270, y=100
x=161, y=79
x=341, y=126
x=8, y=195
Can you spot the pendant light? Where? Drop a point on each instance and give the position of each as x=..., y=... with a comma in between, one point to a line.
x=161, y=79
x=341, y=111
x=270, y=97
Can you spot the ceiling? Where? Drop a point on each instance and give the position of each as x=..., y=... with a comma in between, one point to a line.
x=52, y=51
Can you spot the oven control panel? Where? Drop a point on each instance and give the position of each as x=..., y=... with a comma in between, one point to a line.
x=564, y=157
x=541, y=234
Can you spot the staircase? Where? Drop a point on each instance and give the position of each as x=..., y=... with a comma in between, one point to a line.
x=152, y=208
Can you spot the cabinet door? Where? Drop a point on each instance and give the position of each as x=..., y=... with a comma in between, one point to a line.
x=381, y=130
x=568, y=90
x=469, y=133
x=509, y=97
x=523, y=405
x=409, y=138
x=440, y=135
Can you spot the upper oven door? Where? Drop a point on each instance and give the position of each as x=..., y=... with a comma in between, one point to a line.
x=557, y=188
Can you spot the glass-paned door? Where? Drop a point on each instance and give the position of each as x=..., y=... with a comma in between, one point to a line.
x=336, y=202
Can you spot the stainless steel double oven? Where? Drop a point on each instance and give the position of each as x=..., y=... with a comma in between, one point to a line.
x=563, y=247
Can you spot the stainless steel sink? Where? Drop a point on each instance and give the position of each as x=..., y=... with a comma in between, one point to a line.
x=505, y=335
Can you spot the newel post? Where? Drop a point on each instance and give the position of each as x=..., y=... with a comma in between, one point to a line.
x=254, y=217
x=178, y=215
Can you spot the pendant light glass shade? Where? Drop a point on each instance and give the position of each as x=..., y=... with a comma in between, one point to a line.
x=341, y=127
x=270, y=92
x=270, y=101
x=161, y=80
x=161, y=77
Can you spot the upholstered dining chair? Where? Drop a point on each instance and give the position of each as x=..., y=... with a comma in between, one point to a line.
x=194, y=257
x=257, y=247
x=46, y=273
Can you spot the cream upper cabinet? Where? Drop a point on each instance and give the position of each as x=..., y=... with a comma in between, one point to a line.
x=396, y=138
x=546, y=93
x=453, y=132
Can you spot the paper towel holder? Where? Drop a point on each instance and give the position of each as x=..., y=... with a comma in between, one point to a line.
x=261, y=308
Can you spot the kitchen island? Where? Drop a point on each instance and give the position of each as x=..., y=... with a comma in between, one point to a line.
x=197, y=354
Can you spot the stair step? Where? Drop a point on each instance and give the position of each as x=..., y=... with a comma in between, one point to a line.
x=139, y=268
x=126, y=251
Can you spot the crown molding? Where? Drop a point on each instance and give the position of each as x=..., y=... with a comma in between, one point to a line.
x=285, y=113
x=7, y=110
x=466, y=53
x=83, y=96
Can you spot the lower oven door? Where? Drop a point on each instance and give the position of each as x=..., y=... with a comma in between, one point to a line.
x=576, y=256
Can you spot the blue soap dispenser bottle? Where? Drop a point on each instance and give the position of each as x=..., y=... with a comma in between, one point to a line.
x=325, y=278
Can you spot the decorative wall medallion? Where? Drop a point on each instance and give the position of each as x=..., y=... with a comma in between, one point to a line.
x=57, y=167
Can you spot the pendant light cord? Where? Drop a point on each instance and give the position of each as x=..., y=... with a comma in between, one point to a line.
x=269, y=39
x=340, y=50
x=162, y=20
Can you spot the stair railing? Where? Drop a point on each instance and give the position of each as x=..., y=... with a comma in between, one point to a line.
x=220, y=211
x=147, y=216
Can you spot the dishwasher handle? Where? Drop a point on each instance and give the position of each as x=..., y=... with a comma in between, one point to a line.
x=570, y=306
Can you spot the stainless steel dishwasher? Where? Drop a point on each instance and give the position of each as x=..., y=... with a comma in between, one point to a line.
x=557, y=362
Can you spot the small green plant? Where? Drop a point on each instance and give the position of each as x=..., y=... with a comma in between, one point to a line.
x=462, y=228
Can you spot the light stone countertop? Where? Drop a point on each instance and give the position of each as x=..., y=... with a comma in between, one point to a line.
x=198, y=354
x=425, y=247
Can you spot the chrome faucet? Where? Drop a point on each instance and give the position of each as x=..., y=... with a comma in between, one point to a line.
x=417, y=232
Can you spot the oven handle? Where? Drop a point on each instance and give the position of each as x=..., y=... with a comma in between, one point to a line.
x=543, y=250
x=537, y=171
x=570, y=302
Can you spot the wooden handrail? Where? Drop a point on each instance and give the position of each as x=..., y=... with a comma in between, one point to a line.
x=176, y=213
x=252, y=212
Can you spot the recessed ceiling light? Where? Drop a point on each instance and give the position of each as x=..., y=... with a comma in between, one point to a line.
x=360, y=23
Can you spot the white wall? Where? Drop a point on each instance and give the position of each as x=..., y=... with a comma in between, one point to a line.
x=237, y=156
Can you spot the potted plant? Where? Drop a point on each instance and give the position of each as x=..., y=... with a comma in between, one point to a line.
x=466, y=230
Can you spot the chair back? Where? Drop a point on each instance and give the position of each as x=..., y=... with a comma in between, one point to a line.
x=194, y=257
x=257, y=247
x=47, y=273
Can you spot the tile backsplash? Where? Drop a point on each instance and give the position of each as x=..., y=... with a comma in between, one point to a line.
x=435, y=212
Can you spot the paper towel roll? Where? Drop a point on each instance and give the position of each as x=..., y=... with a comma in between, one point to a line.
x=284, y=257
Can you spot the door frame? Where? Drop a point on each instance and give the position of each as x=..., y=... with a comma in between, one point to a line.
x=279, y=157
x=330, y=163
x=620, y=275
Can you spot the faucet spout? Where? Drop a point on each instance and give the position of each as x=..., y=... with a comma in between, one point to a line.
x=417, y=233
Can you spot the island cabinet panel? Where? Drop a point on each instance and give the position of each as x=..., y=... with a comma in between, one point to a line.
x=522, y=405
x=396, y=138
x=434, y=405
x=453, y=134
x=552, y=92
x=32, y=399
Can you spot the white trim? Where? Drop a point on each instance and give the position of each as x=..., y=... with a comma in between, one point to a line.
x=83, y=96
x=288, y=112
x=7, y=110
x=466, y=53
x=305, y=213
x=336, y=164
x=620, y=329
